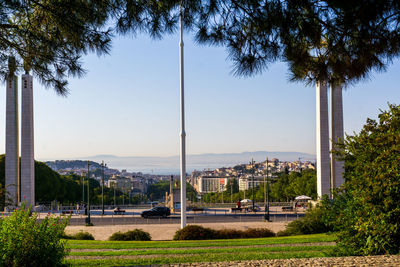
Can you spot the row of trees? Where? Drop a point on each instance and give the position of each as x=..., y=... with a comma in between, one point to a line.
x=284, y=187
x=157, y=191
x=67, y=189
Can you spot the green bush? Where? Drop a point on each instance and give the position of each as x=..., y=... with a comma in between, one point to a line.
x=368, y=214
x=83, y=236
x=257, y=232
x=196, y=232
x=135, y=235
x=316, y=220
x=25, y=241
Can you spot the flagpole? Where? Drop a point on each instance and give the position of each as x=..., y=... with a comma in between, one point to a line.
x=182, y=134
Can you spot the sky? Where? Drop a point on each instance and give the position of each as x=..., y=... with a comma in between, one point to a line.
x=128, y=105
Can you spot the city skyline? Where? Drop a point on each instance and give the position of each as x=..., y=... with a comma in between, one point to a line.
x=128, y=105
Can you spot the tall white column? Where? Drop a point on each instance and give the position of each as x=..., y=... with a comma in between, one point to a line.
x=323, y=158
x=183, y=133
x=12, y=141
x=337, y=132
x=27, y=142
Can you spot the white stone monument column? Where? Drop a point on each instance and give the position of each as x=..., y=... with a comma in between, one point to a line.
x=27, y=142
x=323, y=157
x=12, y=141
x=337, y=132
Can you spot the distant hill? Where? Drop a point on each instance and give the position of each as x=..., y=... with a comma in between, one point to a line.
x=170, y=165
x=71, y=164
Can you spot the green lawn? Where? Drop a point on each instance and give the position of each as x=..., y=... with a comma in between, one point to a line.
x=167, y=252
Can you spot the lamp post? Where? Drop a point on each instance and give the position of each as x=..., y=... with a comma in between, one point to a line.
x=266, y=195
x=88, y=199
x=102, y=187
x=114, y=194
x=182, y=134
x=231, y=190
x=83, y=189
x=252, y=181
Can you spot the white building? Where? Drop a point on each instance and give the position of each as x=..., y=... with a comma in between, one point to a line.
x=246, y=182
x=210, y=184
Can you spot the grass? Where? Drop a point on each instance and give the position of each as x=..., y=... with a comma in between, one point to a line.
x=152, y=252
x=88, y=244
x=199, y=251
x=194, y=258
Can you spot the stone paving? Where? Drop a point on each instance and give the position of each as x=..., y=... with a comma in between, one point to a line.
x=381, y=261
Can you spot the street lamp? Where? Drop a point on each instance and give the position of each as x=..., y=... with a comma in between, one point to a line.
x=83, y=189
x=102, y=187
x=266, y=195
x=183, y=133
x=88, y=199
x=252, y=178
x=114, y=194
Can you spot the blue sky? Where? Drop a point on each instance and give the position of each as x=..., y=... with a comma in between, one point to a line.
x=128, y=105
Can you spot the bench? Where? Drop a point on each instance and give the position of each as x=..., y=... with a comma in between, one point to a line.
x=287, y=208
x=67, y=212
x=197, y=209
x=236, y=209
x=119, y=212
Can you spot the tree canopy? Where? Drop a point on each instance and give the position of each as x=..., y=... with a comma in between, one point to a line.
x=49, y=37
x=320, y=40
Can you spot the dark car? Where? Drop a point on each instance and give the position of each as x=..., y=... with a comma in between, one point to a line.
x=156, y=211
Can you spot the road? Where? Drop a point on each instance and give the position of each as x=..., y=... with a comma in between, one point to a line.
x=175, y=219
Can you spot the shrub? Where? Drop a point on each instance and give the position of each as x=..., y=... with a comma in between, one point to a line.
x=83, y=236
x=135, y=235
x=25, y=241
x=257, y=232
x=316, y=220
x=369, y=219
x=196, y=232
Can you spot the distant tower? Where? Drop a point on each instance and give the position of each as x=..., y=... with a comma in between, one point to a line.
x=12, y=133
x=27, y=142
x=322, y=136
x=337, y=133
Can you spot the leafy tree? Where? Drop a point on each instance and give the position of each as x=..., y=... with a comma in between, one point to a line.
x=157, y=191
x=67, y=189
x=232, y=186
x=285, y=187
x=368, y=209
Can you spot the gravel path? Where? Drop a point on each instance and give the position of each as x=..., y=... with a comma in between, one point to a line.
x=378, y=261
x=154, y=256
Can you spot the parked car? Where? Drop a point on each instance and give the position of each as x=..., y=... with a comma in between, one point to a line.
x=156, y=211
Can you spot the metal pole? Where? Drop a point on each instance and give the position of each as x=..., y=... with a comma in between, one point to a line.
x=252, y=178
x=102, y=188
x=266, y=196
x=114, y=193
x=231, y=190
x=88, y=187
x=83, y=189
x=183, y=134
x=265, y=189
x=267, y=218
